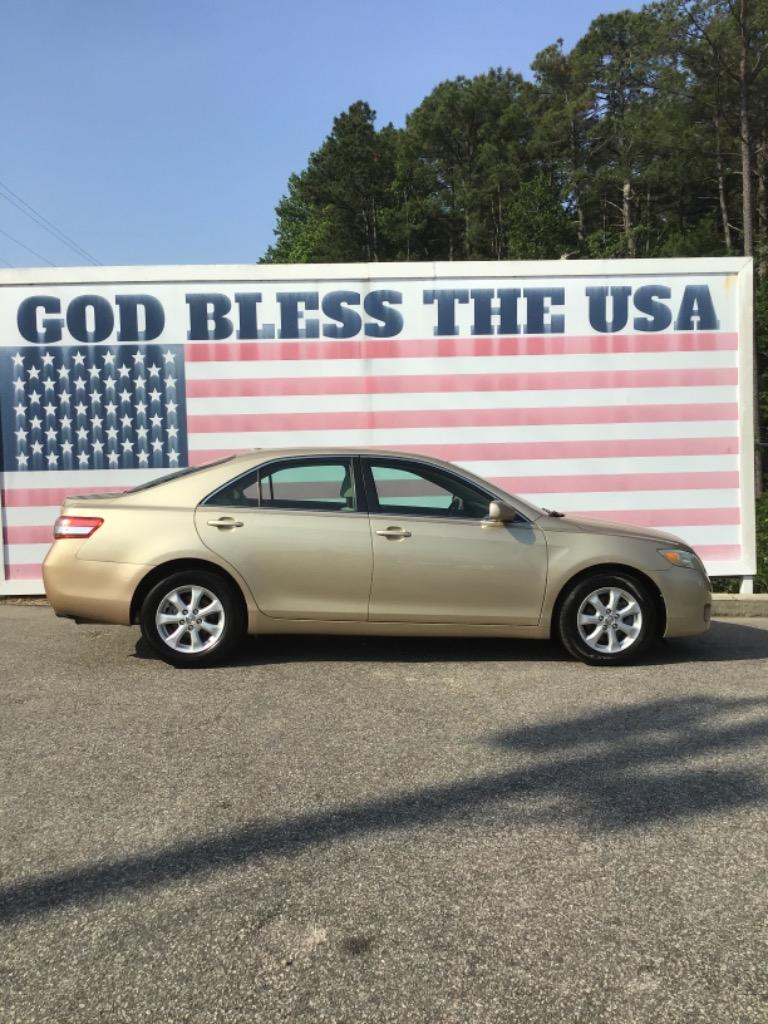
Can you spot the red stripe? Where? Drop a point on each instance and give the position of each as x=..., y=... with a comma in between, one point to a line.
x=23, y=572
x=460, y=417
x=37, y=496
x=718, y=552
x=422, y=383
x=201, y=457
x=28, y=534
x=660, y=518
x=435, y=348
x=630, y=482
x=508, y=451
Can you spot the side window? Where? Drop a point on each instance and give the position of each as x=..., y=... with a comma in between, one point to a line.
x=242, y=493
x=404, y=488
x=319, y=485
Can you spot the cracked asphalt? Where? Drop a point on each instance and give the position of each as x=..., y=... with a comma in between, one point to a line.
x=379, y=830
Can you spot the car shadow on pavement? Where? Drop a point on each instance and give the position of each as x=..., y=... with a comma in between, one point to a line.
x=725, y=641
x=636, y=765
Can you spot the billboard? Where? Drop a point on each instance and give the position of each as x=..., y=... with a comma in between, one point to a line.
x=617, y=390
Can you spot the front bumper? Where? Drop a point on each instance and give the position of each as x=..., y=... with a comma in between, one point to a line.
x=687, y=595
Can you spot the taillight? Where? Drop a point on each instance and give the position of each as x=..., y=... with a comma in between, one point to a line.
x=75, y=526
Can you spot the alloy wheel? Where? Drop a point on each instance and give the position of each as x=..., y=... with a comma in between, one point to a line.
x=190, y=619
x=609, y=620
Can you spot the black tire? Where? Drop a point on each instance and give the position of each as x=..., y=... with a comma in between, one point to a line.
x=218, y=631
x=617, y=638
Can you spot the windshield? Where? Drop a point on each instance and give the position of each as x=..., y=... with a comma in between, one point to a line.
x=187, y=471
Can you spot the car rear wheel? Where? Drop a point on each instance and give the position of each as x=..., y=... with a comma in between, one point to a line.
x=607, y=619
x=192, y=618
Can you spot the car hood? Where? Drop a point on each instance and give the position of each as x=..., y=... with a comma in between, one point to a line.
x=565, y=523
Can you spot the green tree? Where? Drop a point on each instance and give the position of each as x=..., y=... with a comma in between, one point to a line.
x=563, y=119
x=538, y=224
x=736, y=35
x=464, y=151
x=338, y=208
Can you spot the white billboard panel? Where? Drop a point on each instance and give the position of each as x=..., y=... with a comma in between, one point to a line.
x=618, y=390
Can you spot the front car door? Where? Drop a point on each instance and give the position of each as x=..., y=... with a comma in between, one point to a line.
x=437, y=558
x=295, y=531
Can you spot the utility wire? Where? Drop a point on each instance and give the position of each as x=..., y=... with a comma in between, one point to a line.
x=39, y=255
x=21, y=204
x=5, y=262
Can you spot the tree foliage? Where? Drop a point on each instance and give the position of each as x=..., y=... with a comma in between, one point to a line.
x=648, y=138
x=341, y=207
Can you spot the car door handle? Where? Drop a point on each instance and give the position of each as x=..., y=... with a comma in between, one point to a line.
x=393, y=532
x=225, y=523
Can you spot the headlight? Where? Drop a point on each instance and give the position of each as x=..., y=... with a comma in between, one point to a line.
x=679, y=556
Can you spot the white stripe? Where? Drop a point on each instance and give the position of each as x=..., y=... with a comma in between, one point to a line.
x=707, y=534
x=611, y=501
x=85, y=480
x=587, y=398
x=416, y=437
x=730, y=568
x=26, y=554
x=623, y=466
x=291, y=368
x=33, y=515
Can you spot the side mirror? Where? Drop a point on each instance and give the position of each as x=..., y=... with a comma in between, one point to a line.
x=500, y=513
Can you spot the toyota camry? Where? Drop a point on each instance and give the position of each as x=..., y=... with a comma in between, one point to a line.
x=366, y=542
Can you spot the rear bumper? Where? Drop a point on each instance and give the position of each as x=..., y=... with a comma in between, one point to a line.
x=90, y=591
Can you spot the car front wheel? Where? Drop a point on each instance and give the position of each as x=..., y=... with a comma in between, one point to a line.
x=192, y=618
x=607, y=619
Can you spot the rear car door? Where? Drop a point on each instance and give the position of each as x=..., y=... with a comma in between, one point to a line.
x=295, y=530
x=437, y=558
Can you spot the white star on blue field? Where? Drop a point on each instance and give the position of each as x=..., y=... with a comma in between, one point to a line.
x=91, y=407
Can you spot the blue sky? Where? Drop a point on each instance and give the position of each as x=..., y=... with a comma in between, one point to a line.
x=164, y=132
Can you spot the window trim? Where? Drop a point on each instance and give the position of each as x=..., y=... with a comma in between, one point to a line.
x=372, y=493
x=361, y=505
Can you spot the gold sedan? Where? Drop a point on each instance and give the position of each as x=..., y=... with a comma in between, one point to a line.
x=369, y=541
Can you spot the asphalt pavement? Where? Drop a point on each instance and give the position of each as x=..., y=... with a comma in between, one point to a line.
x=377, y=830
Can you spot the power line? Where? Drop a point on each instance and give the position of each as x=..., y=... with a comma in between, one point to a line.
x=26, y=208
x=39, y=255
x=5, y=262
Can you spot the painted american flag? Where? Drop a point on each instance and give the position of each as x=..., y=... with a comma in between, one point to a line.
x=637, y=428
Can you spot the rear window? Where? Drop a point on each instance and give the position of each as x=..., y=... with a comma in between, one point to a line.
x=187, y=471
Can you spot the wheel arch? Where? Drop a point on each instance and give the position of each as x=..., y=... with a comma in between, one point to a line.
x=159, y=572
x=625, y=570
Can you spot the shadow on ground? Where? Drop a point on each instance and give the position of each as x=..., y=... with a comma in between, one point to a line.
x=725, y=641
x=629, y=766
